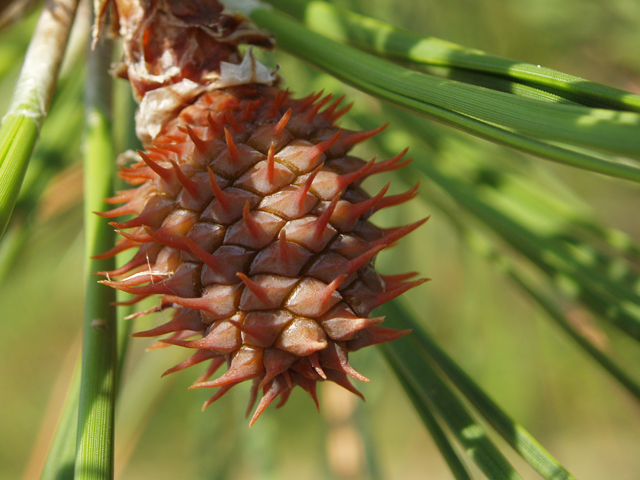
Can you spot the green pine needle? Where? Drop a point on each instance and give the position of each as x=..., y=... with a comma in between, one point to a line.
x=517, y=122
x=406, y=356
x=430, y=421
x=95, y=441
x=521, y=441
x=386, y=40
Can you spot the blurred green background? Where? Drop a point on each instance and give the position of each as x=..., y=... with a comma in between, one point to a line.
x=582, y=416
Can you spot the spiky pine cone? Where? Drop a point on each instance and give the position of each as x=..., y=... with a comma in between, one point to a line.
x=251, y=223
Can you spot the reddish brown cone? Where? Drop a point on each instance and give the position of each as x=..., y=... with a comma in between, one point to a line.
x=251, y=223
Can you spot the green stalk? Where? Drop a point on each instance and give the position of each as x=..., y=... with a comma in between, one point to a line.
x=496, y=116
x=384, y=39
x=60, y=461
x=31, y=100
x=94, y=454
x=61, y=458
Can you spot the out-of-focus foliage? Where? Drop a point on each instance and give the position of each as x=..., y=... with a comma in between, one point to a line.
x=502, y=339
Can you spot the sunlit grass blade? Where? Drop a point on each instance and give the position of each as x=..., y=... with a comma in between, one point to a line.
x=407, y=356
x=496, y=116
x=438, y=435
x=521, y=441
x=386, y=40
x=94, y=454
x=31, y=100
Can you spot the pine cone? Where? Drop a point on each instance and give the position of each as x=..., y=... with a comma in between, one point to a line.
x=251, y=223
